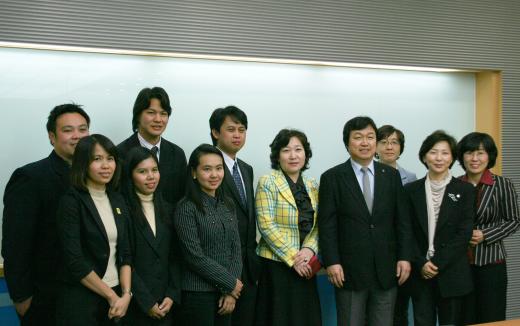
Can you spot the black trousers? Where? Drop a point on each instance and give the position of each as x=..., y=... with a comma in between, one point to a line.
x=428, y=304
x=487, y=303
x=80, y=306
x=244, y=313
x=39, y=313
x=200, y=309
x=402, y=303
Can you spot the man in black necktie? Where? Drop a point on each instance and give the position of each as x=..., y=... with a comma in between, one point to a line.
x=228, y=132
x=365, y=233
x=151, y=114
x=30, y=245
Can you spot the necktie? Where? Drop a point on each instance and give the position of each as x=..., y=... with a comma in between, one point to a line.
x=239, y=184
x=367, y=192
x=154, y=151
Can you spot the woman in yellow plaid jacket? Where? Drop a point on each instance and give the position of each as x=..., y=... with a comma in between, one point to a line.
x=286, y=206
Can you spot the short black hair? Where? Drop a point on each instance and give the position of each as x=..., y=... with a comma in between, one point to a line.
x=83, y=156
x=357, y=123
x=434, y=138
x=282, y=139
x=386, y=131
x=142, y=102
x=219, y=115
x=62, y=109
x=472, y=141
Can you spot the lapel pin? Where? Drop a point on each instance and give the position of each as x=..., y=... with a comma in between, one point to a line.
x=454, y=197
x=118, y=211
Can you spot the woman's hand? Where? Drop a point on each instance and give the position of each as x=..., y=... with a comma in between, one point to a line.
x=119, y=306
x=476, y=238
x=429, y=270
x=226, y=304
x=301, y=262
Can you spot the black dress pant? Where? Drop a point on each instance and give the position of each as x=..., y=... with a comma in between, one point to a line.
x=200, y=309
x=79, y=306
x=487, y=303
x=428, y=305
x=244, y=313
x=39, y=313
x=402, y=303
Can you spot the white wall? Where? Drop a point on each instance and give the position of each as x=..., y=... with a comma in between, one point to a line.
x=316, y=99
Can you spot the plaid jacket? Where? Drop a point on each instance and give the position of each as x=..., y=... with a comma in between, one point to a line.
x=277, y=217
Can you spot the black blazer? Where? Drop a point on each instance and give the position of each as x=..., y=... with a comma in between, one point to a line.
x=366, y=245
x=156, y=271
x=246, y=216
x=83, y=237
x=29, y=238
x=452, y=234
x=172, y=165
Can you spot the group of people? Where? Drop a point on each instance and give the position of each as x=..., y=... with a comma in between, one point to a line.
x=98, y=234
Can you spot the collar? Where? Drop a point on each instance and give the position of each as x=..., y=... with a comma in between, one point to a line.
x=230, y=162
x=146, y=144
x=486, y=178
x=357, y=167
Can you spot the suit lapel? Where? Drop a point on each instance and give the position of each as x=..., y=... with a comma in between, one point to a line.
x=419, y=200
x=448, y=201
x=248, y=181
x=230, y=183
x=146, y=230
x=353, y=185
x=380, y=181
x=89, y=203
x=283, y=188
x=487, y=194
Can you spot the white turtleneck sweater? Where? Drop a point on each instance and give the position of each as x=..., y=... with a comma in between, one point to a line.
x=100, y=198
x=148, y=210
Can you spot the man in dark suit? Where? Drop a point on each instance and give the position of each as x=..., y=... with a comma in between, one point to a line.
x=29, y=238
x=228, y=132
x=364, y=230
x=150, y=117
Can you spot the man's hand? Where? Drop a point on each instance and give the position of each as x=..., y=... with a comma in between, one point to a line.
x=429, y=270
x=336, y=276
x=403, y=271
x=22, y=307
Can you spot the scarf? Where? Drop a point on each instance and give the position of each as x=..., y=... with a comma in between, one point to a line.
x=434, y=194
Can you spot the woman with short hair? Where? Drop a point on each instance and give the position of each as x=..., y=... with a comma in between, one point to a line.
x=497, y=217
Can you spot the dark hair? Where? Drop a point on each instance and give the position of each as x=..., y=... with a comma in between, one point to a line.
x=62, y=109
x=219, y=115
x=134, y=157
x=472, y=141
x=434, y=138
x=193, y=190
x=357, y=123
x=386, y=131
x=282, y=139
x=83, y=156
x=142, y=102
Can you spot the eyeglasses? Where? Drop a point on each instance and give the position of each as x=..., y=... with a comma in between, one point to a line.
x=393, y=143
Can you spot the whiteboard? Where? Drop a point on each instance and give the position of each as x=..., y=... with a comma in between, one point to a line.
x=315, y=99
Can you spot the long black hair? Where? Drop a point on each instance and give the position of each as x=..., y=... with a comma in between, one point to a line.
x=135, y=156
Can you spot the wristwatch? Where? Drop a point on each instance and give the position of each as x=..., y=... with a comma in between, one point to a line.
x=127, y=291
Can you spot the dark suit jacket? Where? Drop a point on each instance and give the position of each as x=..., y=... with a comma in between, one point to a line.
x=172, y=165
x=246, y=220
x=366, y=245
x=452, y=234
x=83, y=237
x=29, y=240
x=156, y=272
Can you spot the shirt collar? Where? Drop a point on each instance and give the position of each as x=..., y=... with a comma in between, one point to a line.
x=146, y=144
x=357, y=167
x=230, y=162
x=486, y=178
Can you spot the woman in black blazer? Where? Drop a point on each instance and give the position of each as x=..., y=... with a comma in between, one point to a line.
x=208, y=234
x=442, y=209
x=92, y=226
x=497, y=217
x=156, y=264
